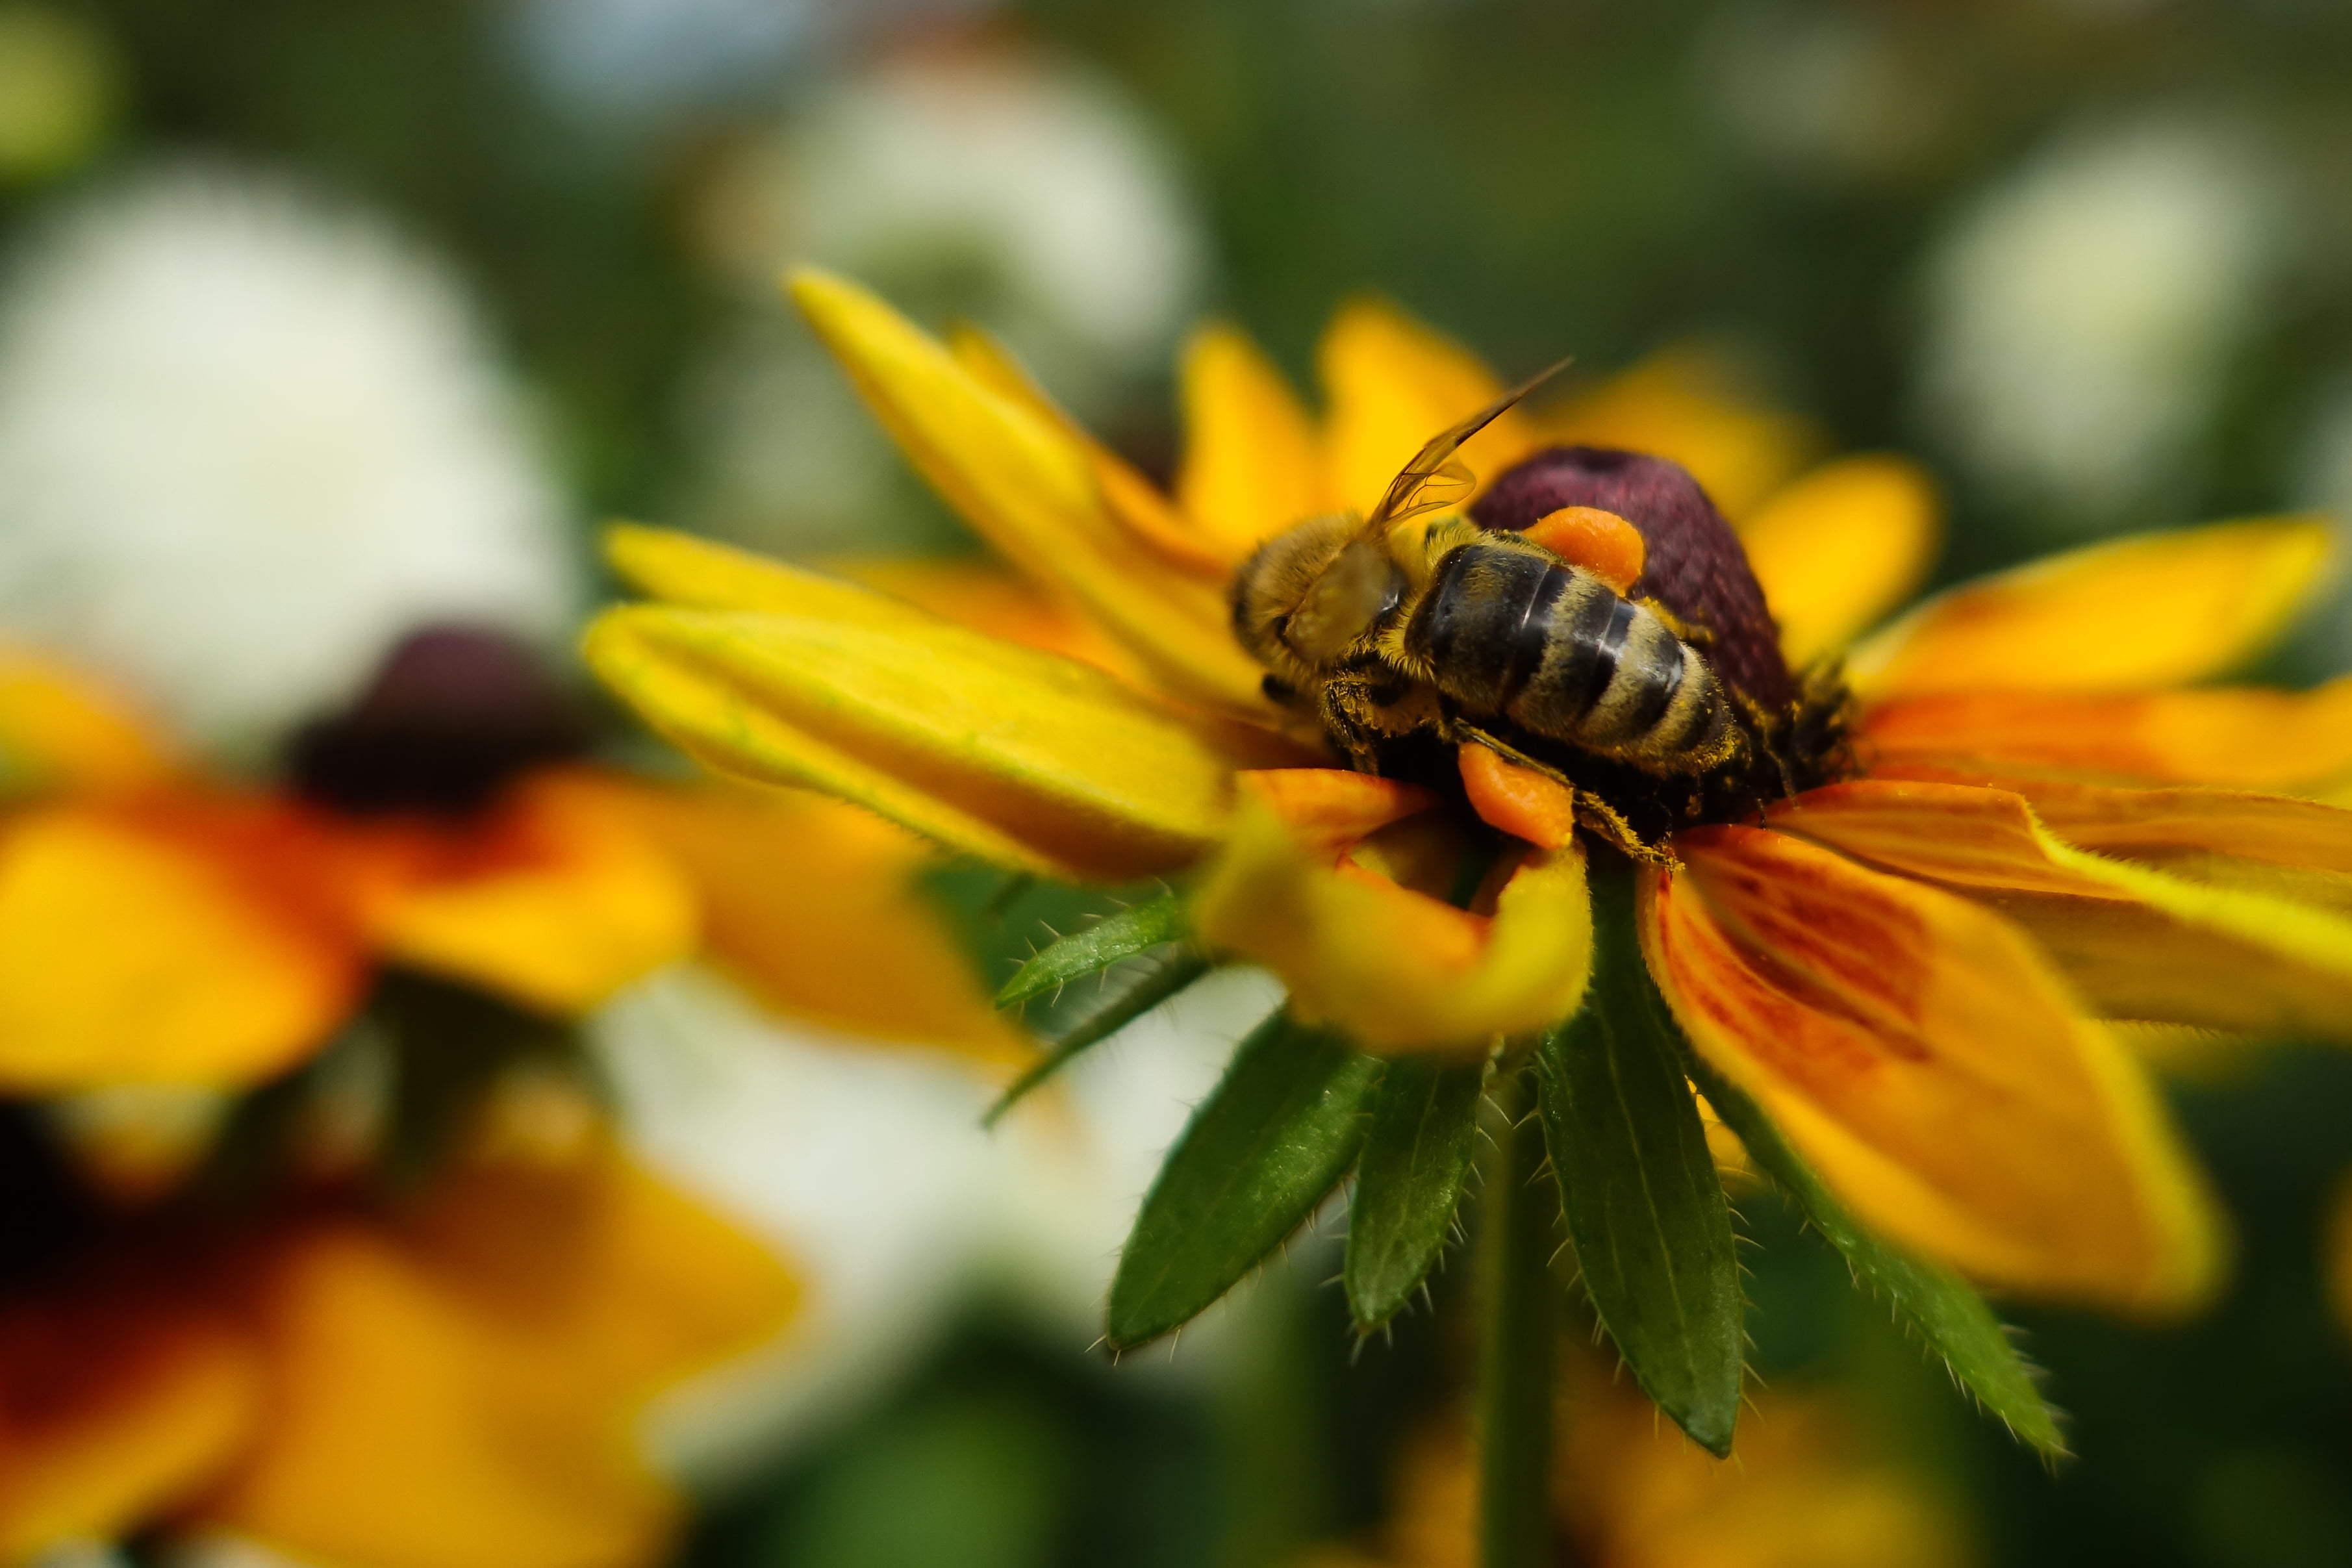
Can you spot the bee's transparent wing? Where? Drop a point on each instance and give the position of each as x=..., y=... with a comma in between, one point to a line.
x=1436, y=478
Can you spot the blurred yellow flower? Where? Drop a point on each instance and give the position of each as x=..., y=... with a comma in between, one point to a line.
x=1808, y=1492
x=457, y=1388
x=1907, y=969
x=157, y=926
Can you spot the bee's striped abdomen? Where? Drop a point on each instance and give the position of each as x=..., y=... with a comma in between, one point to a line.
x=1560, y=653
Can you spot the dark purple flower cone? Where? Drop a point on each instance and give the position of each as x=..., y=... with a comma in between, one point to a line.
x=453, y=714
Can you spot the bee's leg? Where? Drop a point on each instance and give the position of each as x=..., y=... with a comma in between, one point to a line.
x=1348, y=711
x=1593, y=813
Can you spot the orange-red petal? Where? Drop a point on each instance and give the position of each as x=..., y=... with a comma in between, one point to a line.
x=119, y=1400
x=1935, y=1067
x=1518, y=800
x=2234, y=737
x=2154, y=925
x=554, y=898
x=466, y=1394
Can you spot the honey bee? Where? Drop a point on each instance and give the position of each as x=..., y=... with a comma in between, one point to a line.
x=1386, y=629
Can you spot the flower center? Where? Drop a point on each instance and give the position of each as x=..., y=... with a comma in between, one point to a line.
x=454, y=715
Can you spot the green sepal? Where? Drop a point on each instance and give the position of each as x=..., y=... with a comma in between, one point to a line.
x=1267, y=1145
x=1417, y=1149
x=1161, y=977
x=1948, y=1314
x=1127, y=935
x=1645, y=1206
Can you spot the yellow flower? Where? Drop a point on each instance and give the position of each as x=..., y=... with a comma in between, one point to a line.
x=1909, y=969
x=1807, y=1493
x=458, y=1389
x=157, y=926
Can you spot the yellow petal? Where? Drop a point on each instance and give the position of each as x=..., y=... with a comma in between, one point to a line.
x=812, y=903
x=59, y=730
x=992, y=599
x=116, y=1407
x=164, y=944
x=465, y=1394
x=1031, y=493
x=1841, y=548
x=1928, y=1061
x=1679, y=405
x=2233, y=737
x=1019, y=757
x=1133, y=501
x=1391, y=384
x=1250, y=466
x=1397, y=969
x=2162, y=609
x=2139, y=940
x=684, y=569
x=554, y=899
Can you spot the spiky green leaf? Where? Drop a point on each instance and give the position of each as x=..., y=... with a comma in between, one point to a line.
x=1159, y=977
x=1266, y=1146
x=1417, y=1149
x=1129, y=933
x=1950, y=1317
x=1645, y=1208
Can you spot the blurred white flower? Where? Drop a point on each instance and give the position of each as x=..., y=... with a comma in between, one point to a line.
x=644, y=60
x=1016, y=190
x=2083, y=312
x=868, y=1167
x=247, y=440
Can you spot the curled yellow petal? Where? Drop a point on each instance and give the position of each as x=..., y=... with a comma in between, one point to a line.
x=1134, y=501
x=811, y=904
x=119, y=1403
x=1019, y=757
x=179, y=943
x=554, y=900
x=1251, y=466
x=1393, y=384
x=1399, y=970
x=1935, y=1069
x=2248, y=737
x=1680, y=405
x=1032, y=494
x=1841, y=548
x=495, y=1359
x=2162, y=609
x=681, y=569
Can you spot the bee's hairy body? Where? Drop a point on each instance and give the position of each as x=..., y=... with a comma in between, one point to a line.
x=1451, y=629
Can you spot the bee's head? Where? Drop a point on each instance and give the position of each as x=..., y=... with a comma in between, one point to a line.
x=1309, y=596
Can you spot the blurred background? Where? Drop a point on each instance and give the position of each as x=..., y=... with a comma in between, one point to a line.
x=321, y=324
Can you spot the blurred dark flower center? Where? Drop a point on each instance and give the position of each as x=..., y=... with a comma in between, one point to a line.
x=452, y=716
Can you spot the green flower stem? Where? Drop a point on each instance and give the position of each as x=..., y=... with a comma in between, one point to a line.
x=1518, y=1324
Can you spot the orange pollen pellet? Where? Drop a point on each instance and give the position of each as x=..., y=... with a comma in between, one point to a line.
x=1601, y=541
x=1518, y=800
